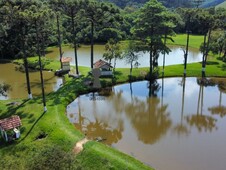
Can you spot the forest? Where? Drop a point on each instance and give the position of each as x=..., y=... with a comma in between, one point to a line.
x=28, y=27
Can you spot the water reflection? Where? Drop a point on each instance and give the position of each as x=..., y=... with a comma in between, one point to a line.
x=17, y=82
x=159, y=122
x=199, y=120
x=220, y=109
x=180, y=128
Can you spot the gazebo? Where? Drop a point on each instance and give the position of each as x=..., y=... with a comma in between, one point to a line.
x=104, y=67
x=66, y=63
x=9, y=127
x=65, y=66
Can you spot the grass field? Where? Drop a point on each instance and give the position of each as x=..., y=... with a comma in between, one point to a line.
x=50, y=136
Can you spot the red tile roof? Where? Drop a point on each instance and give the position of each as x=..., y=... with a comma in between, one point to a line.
x=66, y=59
x=10, y=123
x=100, y=63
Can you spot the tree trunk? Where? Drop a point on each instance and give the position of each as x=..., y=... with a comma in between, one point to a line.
x=40, y=66
x=59, y=41
x=26, y=64
x=92, y=30
x=74, y=43
x=207, y=48
x=186, y=54
x=131, y=69
x=151, y=68
x=164, y=55
x=203, y=57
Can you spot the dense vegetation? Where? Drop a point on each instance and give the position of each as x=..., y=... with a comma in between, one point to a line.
x=28, y=27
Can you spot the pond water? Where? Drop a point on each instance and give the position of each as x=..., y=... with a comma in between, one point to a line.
x=172, y=124
x=17, y=82
x=174, y=57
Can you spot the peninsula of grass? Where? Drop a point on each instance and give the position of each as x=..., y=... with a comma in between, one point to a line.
x=47, y=138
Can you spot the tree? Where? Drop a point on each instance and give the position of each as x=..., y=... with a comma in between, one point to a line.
x=40, y=17
x=18, y=19
x=149, y=28
x=100, y=15
x=113, y=51
x=131, y=55
x=212, y=20
x=54, y=4
x=71, y=9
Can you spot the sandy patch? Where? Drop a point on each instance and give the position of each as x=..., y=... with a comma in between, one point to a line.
x=79, y=146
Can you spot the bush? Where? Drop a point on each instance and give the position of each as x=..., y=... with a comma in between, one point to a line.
x=53, y=157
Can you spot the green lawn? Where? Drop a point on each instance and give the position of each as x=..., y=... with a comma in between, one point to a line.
x=194, y=40
x=43, y=131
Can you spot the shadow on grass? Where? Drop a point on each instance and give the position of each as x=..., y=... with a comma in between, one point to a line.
x=32, y=127
x=212, y=63
x=223, y=67
x=11, y=110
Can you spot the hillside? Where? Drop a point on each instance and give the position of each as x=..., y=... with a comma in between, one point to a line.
x=210, y=3
x=223, y=4
x=167, y=3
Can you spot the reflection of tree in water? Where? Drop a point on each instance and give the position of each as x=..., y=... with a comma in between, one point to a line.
x=4, y=88
x=181, y=128
x=220, y=109
x=200, y=121
x=98, y=128
x=150, y=120
x=153, y=87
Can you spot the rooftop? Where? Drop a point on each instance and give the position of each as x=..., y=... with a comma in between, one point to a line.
x=10, y=123
x=100, y=63
x=66, y=59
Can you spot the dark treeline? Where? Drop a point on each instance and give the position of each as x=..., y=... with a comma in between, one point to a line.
x=27, y=27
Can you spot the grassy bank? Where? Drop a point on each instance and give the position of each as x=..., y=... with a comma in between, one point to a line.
x=41, y=131
x=49, y=136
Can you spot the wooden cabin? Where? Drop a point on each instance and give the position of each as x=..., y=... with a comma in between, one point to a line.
x=9, y=128
x=66, y=63
x=65, y=66
x=105, y=67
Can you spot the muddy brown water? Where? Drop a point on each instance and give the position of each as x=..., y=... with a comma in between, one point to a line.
x=173, y=124
x=17, y=82
x=176, y=56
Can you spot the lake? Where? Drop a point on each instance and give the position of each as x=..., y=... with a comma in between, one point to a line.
x=176, y=56
x=17, y=82
x=174, y=123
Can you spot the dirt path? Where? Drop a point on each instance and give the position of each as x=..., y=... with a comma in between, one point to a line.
x=79, y=146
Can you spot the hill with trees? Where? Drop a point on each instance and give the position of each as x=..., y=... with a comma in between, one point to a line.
x=168, y=3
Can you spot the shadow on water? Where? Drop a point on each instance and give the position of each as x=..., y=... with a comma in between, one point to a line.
x=4, y=61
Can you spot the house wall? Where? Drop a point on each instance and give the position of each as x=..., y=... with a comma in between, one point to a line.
x=106, y=73
x=66, y=66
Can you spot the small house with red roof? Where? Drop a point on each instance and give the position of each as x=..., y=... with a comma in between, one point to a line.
x=105, y=67
x=9, y=127
x=66, y=63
